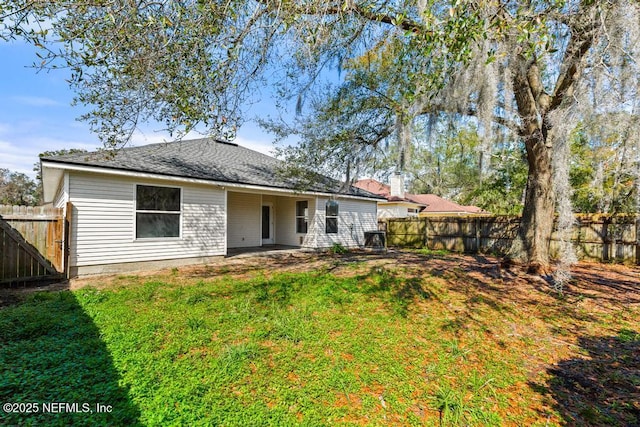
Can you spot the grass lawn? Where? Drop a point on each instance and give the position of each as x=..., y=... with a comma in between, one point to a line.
x=412, y=339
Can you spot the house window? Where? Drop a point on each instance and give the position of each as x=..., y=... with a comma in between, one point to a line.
x=302, y=216
x=331, y=210
x=157, y=212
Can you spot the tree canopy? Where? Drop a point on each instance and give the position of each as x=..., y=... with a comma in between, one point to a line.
x=17, y=188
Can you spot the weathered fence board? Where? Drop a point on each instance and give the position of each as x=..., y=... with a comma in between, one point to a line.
x=595, y=237
x=30, y=243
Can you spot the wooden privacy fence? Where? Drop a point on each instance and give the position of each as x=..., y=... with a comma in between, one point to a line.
x=595, y=237
x=31, y=243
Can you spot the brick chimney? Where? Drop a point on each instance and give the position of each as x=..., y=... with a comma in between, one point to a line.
x=397, y=185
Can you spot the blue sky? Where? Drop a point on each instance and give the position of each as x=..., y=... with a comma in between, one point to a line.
x=36, y=114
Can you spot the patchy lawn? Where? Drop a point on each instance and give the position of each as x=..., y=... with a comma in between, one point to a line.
x=406, y=339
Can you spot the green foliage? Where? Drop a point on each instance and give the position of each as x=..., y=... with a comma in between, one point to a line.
x=189, y=64
x=449, y=403
x=629, y=336
x=432, y=252
x=451, y=167
x=602, y=174
x=338, y=249
x=502, y=190
x=17, y=189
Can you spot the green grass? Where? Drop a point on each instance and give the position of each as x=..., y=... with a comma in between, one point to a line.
x=432, y=252
x=374, y=347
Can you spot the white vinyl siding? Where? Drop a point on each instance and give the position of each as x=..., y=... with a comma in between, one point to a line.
x=61, y=197
x=245, y=219
x=286, y=221
x=396, y=210
x=354, y=218
x=103, y=222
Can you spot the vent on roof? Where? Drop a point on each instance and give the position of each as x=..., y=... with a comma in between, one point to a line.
x=233, y=144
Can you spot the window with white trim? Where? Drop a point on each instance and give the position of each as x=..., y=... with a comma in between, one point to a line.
x=302, y=216
x=158, y=211
x=331, y=214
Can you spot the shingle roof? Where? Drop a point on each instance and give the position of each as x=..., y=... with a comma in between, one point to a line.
x=207, y=159
x=373, y=186
x=432, y=203
x=435, y=204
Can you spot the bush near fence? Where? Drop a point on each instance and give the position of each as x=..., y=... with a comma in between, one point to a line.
x=596, y=237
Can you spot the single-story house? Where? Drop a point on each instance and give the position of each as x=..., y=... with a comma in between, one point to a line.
x=181, y=203
x=399, y=204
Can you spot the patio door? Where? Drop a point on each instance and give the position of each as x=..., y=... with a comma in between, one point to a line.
x=267, y=225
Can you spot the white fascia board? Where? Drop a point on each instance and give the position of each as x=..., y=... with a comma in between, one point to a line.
x=226, y=185
x=407, y=204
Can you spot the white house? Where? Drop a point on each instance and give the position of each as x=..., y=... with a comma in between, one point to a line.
x=181, y=203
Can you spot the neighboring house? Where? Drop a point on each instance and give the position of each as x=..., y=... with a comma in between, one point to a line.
x=180, y=203
x=398, y=204
x=395, y=204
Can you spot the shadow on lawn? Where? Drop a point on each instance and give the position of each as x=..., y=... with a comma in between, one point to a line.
x=603, y=389
x=486, y=282
x=51, y=352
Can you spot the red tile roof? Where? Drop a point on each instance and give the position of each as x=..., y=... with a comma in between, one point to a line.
x=373, y=186
x=438, y=204
x=432, y=203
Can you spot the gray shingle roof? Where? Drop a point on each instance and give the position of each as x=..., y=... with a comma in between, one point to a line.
x=208, y=159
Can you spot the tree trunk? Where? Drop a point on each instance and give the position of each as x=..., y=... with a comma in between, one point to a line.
x=536, y=225
x=534, y=235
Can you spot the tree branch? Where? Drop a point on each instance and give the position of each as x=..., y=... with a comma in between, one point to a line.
x=471, y=112
x=582, y=38
x=319, y=9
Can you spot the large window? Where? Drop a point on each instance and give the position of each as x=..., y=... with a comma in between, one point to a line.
x=331, y=211
x=302, y=216
x=157, y=212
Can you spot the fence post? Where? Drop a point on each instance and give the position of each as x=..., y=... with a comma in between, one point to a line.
x=66, y=245
x=476, y=229
x=606, y=245
x=426, y=233
x=638, y=240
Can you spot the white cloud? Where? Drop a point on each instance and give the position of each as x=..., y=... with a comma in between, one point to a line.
x=20, y=154
x=36, y=101
x=144, y=138
x=17, y=158
x=259, y=145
